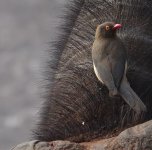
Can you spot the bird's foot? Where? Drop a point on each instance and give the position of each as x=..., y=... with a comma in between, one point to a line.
x=113, y=93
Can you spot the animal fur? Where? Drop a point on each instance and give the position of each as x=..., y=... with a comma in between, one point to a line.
x=77, y=105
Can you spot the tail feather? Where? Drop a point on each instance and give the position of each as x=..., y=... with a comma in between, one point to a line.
x=130, y=97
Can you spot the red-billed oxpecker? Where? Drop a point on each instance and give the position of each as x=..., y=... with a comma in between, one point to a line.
x=110, y=64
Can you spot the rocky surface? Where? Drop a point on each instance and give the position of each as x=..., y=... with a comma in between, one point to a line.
x=135, y=138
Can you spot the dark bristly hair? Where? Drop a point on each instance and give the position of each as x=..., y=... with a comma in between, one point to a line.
x=77, y=106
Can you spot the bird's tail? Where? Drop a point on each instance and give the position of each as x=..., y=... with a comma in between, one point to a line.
x=131, y=97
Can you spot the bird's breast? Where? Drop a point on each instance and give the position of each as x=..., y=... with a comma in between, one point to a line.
x=97, y=74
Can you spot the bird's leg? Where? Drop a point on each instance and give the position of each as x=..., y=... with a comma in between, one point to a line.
x=113, y=93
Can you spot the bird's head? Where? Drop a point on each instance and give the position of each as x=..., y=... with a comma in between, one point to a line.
x=107, y=30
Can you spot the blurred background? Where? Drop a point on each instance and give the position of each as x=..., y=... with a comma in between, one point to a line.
x=26, y=28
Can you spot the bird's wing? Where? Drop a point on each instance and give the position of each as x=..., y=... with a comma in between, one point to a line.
x=117, y=65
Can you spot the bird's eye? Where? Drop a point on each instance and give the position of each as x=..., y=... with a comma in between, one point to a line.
x=107, y=28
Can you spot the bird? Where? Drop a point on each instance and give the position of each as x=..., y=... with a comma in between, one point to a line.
x=109, y=58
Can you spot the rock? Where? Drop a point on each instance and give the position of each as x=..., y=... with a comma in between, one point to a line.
x=135, y=138
x=33, y=145
x=54, y=145
x=66, y=145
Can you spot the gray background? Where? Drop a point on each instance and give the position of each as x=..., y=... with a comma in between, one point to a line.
x=26, y=27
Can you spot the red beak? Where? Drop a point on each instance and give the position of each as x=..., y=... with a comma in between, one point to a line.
x=117, y=26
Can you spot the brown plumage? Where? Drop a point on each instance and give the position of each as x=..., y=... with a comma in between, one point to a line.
x=110, y=64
